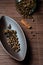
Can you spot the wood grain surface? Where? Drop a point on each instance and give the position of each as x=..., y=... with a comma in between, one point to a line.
x=34, y=35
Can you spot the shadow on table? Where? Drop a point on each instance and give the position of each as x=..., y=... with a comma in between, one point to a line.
x=28, y=58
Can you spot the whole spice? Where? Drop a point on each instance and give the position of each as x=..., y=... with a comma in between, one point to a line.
x=26, y=7
x=27, y=25
x=12, y=40
x=34, y=35
x=31, y=32
x=9, y=26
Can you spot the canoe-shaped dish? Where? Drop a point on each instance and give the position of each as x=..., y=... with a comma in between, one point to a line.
x=20, y=56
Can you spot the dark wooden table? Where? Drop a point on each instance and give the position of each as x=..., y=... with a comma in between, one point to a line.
x=35, y=35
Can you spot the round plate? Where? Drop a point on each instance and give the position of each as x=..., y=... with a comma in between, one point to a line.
x=20, y=56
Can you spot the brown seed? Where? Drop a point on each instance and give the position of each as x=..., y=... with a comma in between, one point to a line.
x=33, y=35
x=12, y=40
